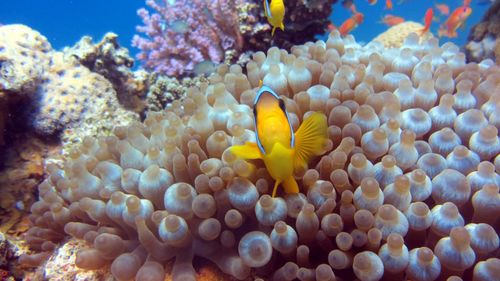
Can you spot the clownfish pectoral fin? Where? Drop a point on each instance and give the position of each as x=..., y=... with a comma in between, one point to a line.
x=310, y=139
x=290, y=185
x=249, y=150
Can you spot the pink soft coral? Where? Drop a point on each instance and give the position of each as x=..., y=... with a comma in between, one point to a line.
x=212, y=25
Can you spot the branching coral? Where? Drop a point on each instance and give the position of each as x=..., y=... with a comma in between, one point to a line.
x=187, y=32
x=386, y=200
x=180, y=35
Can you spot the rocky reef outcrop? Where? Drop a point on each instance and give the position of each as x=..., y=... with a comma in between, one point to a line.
x=484, y=38
x=54, y=94
x=114, y=63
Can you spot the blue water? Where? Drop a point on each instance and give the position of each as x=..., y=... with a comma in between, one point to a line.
x=412, y=10
x=64, y=22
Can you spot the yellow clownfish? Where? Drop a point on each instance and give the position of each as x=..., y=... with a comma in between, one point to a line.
x=275, y=12
x=282, y=151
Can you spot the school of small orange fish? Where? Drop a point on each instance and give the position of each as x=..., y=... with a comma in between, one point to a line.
x=448, y=28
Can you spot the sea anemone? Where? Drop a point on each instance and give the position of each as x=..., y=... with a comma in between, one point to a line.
x=401, y=191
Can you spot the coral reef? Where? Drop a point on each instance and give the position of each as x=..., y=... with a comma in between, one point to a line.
x=483, y=41
x=407, y=188
x=4, y=251
x=4, y=114
x=21, y=170
x=304, y=19
x=178, y=37
x=185, y=33
x=45, y=91
x=395, y=35
x=165, y=90
x=114, y=63
x=25, y=55
x=70, y=91
x=9, y=251
x=58, y=93
x=60, y=266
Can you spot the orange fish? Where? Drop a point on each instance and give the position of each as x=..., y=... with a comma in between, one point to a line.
x=456, y=20
x=443, y=9
x=427, y=20
x=391, y=20
x=353, y=9
x=349, y=5
x=358, y=17
x=388, y=4
x=372, y=2
x=351, y=23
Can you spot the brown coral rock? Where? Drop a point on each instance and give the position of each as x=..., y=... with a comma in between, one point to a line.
x=483, y=40
x=395, y=35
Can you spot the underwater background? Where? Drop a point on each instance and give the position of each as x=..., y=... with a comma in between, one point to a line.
x=64, y=22
x=253, y=140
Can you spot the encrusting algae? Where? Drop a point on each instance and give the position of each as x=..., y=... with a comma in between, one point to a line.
x=387, y=198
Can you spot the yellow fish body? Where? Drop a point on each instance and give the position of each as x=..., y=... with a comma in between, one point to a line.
x=282, y=151
x=275, y=12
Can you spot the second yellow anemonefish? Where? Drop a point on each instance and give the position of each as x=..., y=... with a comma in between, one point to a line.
x=275, y=12
x=282, y=150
